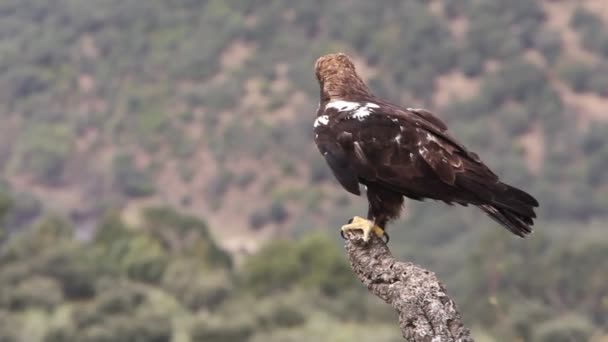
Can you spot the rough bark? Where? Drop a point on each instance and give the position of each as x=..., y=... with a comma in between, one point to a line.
x=426, y=313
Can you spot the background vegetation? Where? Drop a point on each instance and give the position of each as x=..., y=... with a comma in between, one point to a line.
x=158, y=180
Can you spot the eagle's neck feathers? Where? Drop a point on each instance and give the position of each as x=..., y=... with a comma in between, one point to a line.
x=344, y=85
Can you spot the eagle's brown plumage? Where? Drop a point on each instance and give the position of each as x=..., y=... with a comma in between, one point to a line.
x=397, y=152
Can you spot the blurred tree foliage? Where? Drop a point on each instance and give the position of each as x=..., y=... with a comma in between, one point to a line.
x=594, y=34
x=129, y=179
x=167, y=280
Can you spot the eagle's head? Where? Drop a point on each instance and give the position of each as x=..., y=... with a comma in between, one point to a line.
x=338, y=78
x=333, y=64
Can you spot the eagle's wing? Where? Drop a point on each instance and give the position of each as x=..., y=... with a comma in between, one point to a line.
x=434, y=126
x=442, y=152
x=340, y=165
x=335, y=156
x=383, y=143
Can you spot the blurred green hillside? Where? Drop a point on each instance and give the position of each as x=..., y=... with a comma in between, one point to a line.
x=205, y=108
x=168, y=280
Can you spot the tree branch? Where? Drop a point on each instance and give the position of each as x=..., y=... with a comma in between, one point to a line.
x=426, y=313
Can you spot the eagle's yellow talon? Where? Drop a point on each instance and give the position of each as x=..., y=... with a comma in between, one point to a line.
x=379, y=231
x=367, y=226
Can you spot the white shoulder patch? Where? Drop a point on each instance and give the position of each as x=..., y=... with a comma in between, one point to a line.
x=342, y=106
x=364, y=111
x=321, y=120
x=360, y=110
x=361, y=113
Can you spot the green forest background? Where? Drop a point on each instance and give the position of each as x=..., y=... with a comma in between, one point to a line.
x=158, y=179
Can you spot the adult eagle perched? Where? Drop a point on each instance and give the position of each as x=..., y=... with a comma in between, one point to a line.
x=397, y=152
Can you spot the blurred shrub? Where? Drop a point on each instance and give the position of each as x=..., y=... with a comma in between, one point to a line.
x=276, y=213
x=283, y=311
x=223, y=96
x=455, y=8
x=118, y=314
x=59, y=334
x=117, y=298
x=595, y=140
x=595, y=166
x=49, y=251
x=420, y=81
x=73, y=270
x=525, y=317
x=515, y=26
x=6, y=203
x=565, y=328
x=34, y=292
x=258, y=219
x=597, y=41
x=582, y=77
x=287, y=316
x=214, y=330
x=182, y=146
x=516, y=80
x=288, y=168
x=24, y=209
x=599, y=80
x=135, y=254
x=593, y=32
x=10, y=328
x=150, y=121
x=274, y=268
x=549, y=43
x=584, y=20
x=516, y=120
x=483, y=33
x=576, y=74
x=132, y=181
x=195, y=286
x=319, y=170
x=471, y=62
x=244, y=179
x=148, y=328
x=145, y=260
x=185, y=235
x=547, y=106
x=313, y=262
x=26, y=81
x=219, y=185
x=355, y=304
x=45, y=151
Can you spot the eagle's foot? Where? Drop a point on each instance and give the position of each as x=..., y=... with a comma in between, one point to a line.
x=367, y=226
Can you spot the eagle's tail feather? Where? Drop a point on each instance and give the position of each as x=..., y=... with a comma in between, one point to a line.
x=512, y=208
x=509, y=206
x=517, y=201
x=517, y=224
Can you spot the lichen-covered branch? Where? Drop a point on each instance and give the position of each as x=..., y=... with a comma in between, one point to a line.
x=426, y=313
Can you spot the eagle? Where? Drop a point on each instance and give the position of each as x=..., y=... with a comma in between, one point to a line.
x=396, y=152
